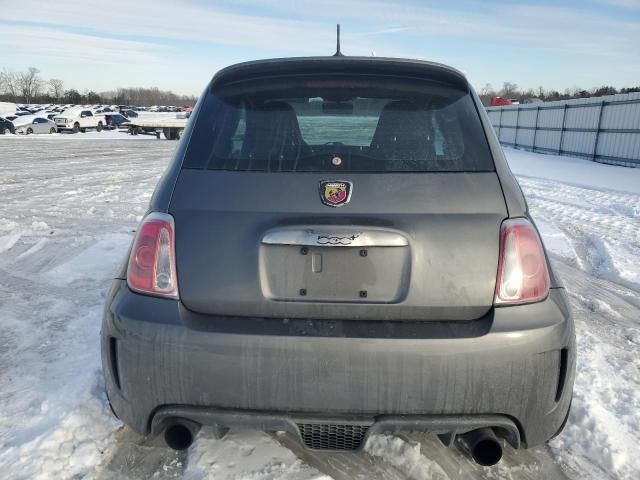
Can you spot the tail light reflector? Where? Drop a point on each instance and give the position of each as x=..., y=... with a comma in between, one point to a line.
x=152, y=262
x=523, y=276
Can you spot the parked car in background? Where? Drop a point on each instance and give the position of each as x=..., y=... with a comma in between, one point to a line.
x=114, y=120
x=7, y=107
x=79, y=120
x=339, y=249
x=129, y=113
x=6, y=126
x=29, y=124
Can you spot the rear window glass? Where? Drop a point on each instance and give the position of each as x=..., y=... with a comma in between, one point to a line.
x=340, y=123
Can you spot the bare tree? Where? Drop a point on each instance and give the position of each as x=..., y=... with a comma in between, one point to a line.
x=146, y=96
x=56, y=88
x=30, y=83
x=9, y=84
x=509, y=90
x=487, y=93
x=487, y=89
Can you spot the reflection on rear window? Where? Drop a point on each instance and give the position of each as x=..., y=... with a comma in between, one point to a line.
x=376, y=124
x=355, y=130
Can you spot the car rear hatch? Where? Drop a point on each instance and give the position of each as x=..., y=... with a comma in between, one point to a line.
x=335, y=196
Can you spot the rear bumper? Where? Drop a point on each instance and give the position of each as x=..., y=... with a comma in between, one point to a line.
x=515, y=365
x=339, y=432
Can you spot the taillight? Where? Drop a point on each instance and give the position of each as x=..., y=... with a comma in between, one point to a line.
x=152, y=263
x=522, y=270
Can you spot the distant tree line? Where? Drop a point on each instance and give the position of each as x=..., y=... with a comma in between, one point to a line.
x=30, y=87
x=513, y=92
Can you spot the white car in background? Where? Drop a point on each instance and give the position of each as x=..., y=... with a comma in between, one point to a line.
x=79, y=120
x=29, y=124
x=7, y=108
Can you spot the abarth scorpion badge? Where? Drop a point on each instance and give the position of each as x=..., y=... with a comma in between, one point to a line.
x=335, y=193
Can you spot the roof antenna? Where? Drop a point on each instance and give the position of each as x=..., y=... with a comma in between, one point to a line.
x=338, y=52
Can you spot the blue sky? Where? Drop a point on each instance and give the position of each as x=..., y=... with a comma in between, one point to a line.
x=179, y=45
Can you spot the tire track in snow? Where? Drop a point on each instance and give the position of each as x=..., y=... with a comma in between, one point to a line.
x=603, y=283
x=602, y=227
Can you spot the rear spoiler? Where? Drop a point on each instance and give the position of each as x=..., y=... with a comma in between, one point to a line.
x=342, y=65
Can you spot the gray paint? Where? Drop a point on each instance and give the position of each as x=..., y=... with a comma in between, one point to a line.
x=312, y=357
x=452, y=223
x=505, y=363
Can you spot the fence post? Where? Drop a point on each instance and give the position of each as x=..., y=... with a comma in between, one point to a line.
x=515, y=140
x=564, y=117
x=595, y=143
x=535, y=130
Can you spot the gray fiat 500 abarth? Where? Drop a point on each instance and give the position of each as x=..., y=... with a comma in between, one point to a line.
x=338, y=248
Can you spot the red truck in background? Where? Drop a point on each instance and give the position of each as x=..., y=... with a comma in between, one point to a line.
x=500, y=101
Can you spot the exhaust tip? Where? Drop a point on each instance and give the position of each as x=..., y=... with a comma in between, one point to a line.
x=178, y=436
x=483, y=446
x=487, y=452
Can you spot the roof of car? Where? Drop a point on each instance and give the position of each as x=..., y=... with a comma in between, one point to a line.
x=26, y=119
x=341, y=64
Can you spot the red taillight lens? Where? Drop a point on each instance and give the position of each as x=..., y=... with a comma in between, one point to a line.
x=152, y=265
x=522, y=272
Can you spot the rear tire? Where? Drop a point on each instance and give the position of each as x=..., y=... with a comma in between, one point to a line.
x=76, y=127
x=6, y=131
x=172, y=133
x=99, y=127
x=52, y=130
x=29, y=131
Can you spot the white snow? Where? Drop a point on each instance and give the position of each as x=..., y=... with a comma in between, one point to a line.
x=406, y=457
x=247, y=455
x=574, y=171
x=8, y=241
x=67, y=214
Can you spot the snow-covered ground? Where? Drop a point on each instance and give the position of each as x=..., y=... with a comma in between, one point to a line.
x=67, y=212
